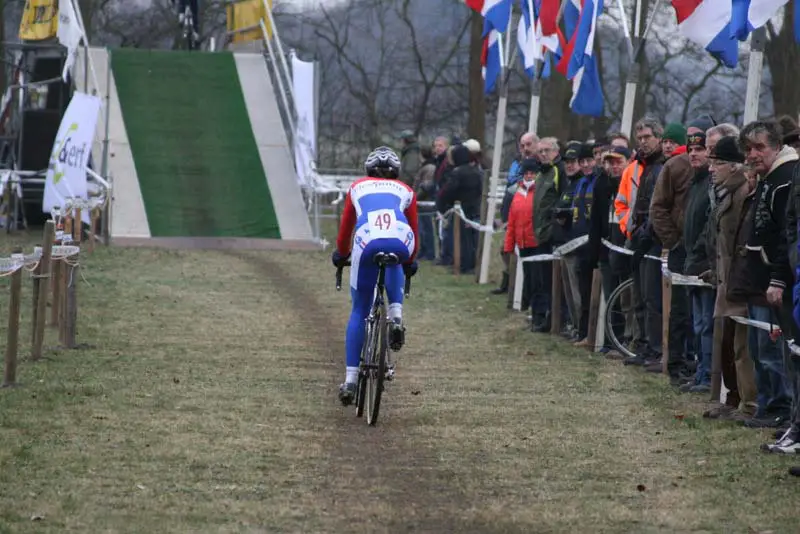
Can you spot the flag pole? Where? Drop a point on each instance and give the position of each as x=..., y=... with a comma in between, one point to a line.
x=754, y=70
x=536, y=82
x=637, y=42
x=625, y=30
x=497, y=156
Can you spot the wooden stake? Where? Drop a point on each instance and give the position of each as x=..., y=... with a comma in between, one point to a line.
x=12, y=336
x=55, y=276
x=555, y=302
x=71, y=303
x=78, y=227
x=456, y=241
x=512, y=278
x=63, y=275
x=666, y=306
x=68, y=226
x=93, y=218
x=594, y=308
x=716, y=360
x=43, y=271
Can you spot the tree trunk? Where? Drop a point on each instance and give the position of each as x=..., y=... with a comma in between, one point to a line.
x=476, y=125
x=555, y=117
x=783, y=58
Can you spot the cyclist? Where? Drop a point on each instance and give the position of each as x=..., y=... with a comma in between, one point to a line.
x=193, y=7
x=382, y=211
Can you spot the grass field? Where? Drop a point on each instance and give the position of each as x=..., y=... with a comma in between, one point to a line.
x=207, y=403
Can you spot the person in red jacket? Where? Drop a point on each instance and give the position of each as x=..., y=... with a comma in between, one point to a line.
x=519, y=232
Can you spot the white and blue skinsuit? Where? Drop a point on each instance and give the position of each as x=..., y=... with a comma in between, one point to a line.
x=383, y=214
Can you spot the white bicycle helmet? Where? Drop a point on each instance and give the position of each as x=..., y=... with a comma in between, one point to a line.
x=382, y=163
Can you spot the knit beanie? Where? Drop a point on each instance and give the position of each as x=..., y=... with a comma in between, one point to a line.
x=586, y=151
x=675, y=132
x=696, y=139
x=573, y=151
x=528, y=165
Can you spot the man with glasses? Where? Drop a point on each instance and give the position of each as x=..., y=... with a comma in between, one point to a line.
x=548, y=188
x=632, y=206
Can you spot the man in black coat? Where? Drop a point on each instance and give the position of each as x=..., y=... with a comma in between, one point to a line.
x=466, y=186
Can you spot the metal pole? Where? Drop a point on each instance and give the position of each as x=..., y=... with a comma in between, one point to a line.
x=79, y=18
x=317, y=86
x=754, y=71
x=281, y=53
x=536, y=83
x=21, y=107
x=497, y=158
x=104, y=164
x=281, y=88
x=633, y=75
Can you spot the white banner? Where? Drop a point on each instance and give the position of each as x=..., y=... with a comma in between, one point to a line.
x=66, y=171
x=69, y=33
x=305, y=141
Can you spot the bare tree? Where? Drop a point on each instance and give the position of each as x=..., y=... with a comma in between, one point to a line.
x=783, y=57
x=387, y=66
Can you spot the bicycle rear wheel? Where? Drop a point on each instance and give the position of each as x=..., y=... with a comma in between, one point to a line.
x=618, y=316
x=366, y=350
x=376, y=369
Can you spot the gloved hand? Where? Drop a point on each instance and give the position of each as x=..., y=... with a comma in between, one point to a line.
x=338, y=260
x=636, y=259
x=410, y=269
x=709, y=277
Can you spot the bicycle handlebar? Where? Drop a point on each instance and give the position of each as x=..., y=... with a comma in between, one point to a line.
x=406, y=289
x=339, y=270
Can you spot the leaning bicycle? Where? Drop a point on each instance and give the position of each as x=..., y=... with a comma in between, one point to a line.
x=374, y=366
x=620, y=316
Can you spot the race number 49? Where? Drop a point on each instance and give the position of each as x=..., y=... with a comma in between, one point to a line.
x=381, y=221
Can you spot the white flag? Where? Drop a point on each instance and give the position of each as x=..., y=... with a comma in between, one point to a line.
x=69, y=33
x=66, y=171
x=305, y=142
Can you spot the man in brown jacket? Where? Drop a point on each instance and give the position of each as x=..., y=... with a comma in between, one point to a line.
x=731, y=189
x=667, y=215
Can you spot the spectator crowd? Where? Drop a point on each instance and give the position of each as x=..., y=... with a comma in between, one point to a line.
x=714, y=201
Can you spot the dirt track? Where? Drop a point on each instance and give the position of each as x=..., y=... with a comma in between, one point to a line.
x=384, y=468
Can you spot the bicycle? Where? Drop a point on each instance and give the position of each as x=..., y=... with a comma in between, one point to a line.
x=373, y=369
x=615, y=323
x=189, y=36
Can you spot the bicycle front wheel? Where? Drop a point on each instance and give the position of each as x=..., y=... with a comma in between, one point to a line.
x=619, y=316
x=376, y=368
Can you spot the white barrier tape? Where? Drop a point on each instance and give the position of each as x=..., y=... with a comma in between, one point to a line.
x=559, y=252
x=761, y=325
x=59, y=251
x=472, y=224
x=768, y=327
x=683, y=279
x=628, y=252
x=12, y=263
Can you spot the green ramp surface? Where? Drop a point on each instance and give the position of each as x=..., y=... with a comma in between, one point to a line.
x=193, y=145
